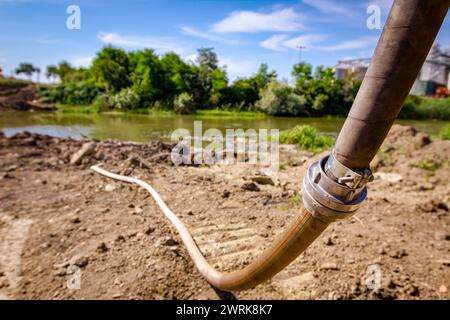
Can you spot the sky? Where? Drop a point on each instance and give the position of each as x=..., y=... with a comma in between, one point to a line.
x=244, y=33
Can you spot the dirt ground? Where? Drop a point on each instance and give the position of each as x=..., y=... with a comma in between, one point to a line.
x=54, y=215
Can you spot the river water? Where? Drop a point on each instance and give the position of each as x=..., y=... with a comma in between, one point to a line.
x=142, y=128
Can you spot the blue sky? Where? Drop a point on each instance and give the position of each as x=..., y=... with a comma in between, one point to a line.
x=245, y=33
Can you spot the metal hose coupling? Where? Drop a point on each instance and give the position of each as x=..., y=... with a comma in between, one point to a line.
x=331, y=191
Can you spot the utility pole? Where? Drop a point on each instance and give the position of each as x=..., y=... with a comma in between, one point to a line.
x=300, y=49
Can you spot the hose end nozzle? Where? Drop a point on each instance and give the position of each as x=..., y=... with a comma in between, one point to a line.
x=332, y=191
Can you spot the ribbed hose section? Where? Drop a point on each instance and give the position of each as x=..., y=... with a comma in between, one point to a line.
x=405, y=42
x=286, y=247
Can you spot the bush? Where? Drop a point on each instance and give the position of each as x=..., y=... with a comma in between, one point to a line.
x=307, y=137
x=82, y=93
x=279, y=99
x=126, y=99
x=183, y=103
x=445, y=132
x=425, y=108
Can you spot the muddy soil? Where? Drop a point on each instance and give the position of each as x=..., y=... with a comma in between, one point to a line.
x=21, y=97
x=60, y=223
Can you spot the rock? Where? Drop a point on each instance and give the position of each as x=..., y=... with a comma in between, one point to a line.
x=138, y=210
x=389, y=177
x=102, y=247
x=226, y=194
x=433, y=206
x=149, y=230
x=110, y=187
x=117, y=296
x=399, y=254
x=422, y=139
x=442, y=235
x=412, y=290
x=262, y=180
x=445, y=262
x=61, y=272
x=81, y=261
x=250, y=186
x=329, y=266
x=86, y=149
x=328, y=241
x=425, y=186
x=168, y=241
x=190, y=213
x=75, y=219
x=443, y=289
x=120, y=238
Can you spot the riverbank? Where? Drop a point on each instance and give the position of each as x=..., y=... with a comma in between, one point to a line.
x=54, y=215
x=24, y=95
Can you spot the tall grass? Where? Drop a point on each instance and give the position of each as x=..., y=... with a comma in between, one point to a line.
x=445, y=132
x=308, y=138
x=426, y=108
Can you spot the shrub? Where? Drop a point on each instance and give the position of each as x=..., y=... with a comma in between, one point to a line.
x=82, y=93
x=279, y=99
x=445, y=132
x=425, y=108
x=126, y=99
x=307, y=137
x=183, y=103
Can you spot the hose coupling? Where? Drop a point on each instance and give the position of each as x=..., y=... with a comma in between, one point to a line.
x=331, y=191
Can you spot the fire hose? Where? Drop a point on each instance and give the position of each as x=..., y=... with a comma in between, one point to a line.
x=335, y=186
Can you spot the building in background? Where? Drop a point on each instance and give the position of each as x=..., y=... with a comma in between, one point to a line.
x=435, y=72
x=356, y=68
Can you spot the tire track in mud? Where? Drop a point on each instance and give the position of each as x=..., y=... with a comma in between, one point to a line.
x=13, y=234
x=224, y=246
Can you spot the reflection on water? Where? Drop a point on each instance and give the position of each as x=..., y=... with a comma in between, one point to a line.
x=131, y=127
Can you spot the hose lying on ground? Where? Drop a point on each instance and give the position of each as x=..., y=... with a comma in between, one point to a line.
x=292, y=242
x=334, y=187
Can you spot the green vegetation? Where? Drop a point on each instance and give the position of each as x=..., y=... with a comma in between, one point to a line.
x=445, y=132
x=141, y=81
x=426, y=108
x=428, y=163
x=308, y=138
x=13, y=83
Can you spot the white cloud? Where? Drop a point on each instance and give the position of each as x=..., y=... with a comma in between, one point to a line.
x=280, y=42
x=329, y=7
x=84, y=62
x=307, y=40
x=239, y=68
x=360, y=43
x=159, y=44
x=282, y=20
x=205, y=35
x=275, y=42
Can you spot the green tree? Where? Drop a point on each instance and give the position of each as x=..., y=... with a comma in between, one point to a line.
x=26, y=68
x=264, y=76
x=51, y=72
x=302, y=73
x=279, y=99
x=111, y=68
x=207, y=58
x=147, y=76
x=64, y=69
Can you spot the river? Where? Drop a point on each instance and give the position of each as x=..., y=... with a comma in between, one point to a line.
x=142, y=128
